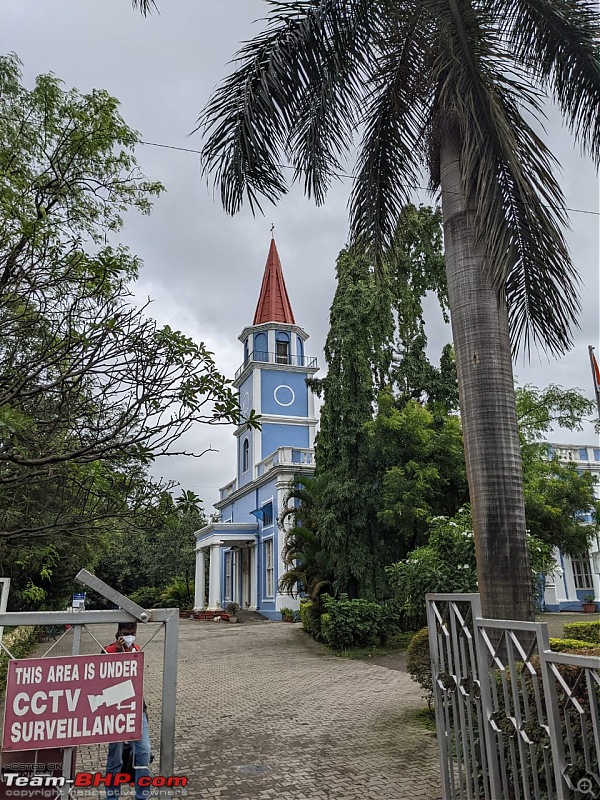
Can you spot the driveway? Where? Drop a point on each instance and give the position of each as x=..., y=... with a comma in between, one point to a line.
x=265, y=713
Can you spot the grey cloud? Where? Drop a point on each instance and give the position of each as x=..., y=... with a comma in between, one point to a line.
x=202, y=268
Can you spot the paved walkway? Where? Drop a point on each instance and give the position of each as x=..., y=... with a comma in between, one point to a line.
x=265, y=713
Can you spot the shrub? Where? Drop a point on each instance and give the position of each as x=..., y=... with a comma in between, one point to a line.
x=178, y=594
x=146, y=596
x=583, y=631
x=394, y=618
x=352, y=623
x=447, y=564
x=310, y=618
x=20, y=642
x=418, y=663
x=574, y=646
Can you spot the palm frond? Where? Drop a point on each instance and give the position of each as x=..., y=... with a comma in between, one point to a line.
x=559, y=44
x=145, y=6
x=510, y=172
x=293, y=92
x=392, y=145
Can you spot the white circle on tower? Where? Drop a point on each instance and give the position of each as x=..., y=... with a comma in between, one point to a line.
x=245, y=404
x=284, y=395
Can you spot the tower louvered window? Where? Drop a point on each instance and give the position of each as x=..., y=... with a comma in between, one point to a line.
x=245, y=455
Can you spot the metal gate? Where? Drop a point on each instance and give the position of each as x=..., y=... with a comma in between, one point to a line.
x=127, y=611
x=515, y=721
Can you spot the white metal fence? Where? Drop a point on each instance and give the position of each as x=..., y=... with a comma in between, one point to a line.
x=515, y=721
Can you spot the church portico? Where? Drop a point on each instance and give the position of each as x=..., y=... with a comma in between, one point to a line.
x=246, y=562
x=217, y=537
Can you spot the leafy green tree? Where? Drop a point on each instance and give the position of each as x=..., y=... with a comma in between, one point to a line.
x=42, y=573
x=556, y=494
x=447, y=564
x=355, y=351
x=154, y=549
x=188, y=502
x=91, y=389
x=419, y=463
x=449, y=87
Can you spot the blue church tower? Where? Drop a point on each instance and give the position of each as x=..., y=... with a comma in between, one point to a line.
x=245, y=547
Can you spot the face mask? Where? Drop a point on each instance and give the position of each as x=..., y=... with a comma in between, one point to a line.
x=129, y=640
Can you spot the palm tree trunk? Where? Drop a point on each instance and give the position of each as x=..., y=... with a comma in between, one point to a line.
x=487, y=403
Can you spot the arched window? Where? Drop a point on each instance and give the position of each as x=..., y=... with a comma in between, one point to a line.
x=245, y=455
x=283, y=348
x=245, y=352
x=300, y=351
x=260, y=347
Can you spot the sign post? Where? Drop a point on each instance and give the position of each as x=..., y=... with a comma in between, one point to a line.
x=127, y=611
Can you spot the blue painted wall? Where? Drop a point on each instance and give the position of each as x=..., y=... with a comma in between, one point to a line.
x=245, y=477
x=298, y=406
x=274, y=436
x=243, y=507
x=247, y=387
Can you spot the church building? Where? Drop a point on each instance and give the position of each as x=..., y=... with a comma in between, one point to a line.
x=245, y=547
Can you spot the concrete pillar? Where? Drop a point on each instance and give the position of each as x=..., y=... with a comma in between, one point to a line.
x=214, y=578
x=199, y=587
x=253, y=578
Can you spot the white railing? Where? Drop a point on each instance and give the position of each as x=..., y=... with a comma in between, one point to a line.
x=264, y=357
x=225, y=491
x=286, y=456
x=283, y=456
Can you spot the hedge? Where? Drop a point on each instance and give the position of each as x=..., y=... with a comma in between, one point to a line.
x=418, y=658
x=352, y=623
x=574, y=646
x=345, y=624
x=583, y=631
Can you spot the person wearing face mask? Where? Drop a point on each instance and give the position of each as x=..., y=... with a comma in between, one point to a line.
x=125, y=643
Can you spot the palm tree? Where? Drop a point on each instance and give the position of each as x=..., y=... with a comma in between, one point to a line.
x=188, y=502
x=304, y=557
x=452, y=87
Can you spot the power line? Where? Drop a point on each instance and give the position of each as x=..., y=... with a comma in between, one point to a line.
x=344, y=175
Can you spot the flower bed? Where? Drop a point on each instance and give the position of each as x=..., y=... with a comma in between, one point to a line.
x=205, y=615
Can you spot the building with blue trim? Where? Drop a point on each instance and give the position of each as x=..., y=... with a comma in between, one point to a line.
x=575, y=577
x=245, y=547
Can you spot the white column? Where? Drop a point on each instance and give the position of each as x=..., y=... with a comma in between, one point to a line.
x=214, y=578
x=199, y=587
x=253, y=586
x=235, y=577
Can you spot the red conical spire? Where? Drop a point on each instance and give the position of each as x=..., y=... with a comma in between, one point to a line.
x=273, y=303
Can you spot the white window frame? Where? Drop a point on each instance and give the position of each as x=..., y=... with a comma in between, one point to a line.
x=268, y=551
x=268, y=524
x=582, y=574
x=228, y=579
x=245, y=455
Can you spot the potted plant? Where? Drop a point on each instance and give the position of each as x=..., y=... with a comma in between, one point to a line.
x=232, y=609
x=588, y=603
x=287, y=614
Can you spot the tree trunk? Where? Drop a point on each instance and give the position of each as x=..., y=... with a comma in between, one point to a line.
x=487, y=404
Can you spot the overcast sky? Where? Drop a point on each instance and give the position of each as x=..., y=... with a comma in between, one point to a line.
x=202, y=268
